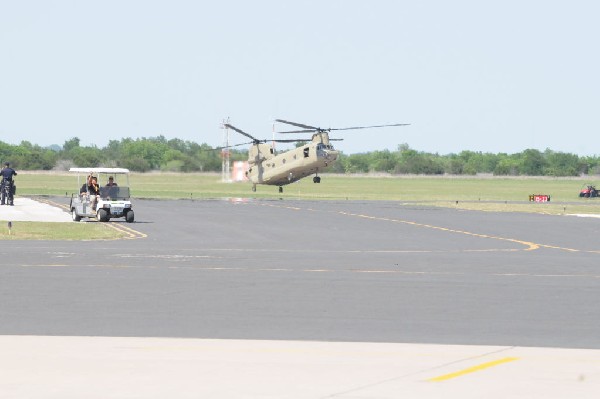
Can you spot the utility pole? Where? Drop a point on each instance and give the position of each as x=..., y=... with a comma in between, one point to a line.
x=225, y=166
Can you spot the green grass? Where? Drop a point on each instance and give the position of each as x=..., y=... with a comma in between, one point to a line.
x=58, y=231
x=473, y=193
x=413, y=188
x=482, y=193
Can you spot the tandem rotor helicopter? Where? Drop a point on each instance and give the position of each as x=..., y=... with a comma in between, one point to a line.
x=268, y=167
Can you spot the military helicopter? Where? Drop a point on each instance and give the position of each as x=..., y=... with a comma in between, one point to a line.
x=268, y=167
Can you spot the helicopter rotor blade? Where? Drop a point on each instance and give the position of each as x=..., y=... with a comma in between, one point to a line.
x=368, y=127
x=240, y=131
x=287, y=140
x=231, y=146
x=311, y=128
x=299, y=131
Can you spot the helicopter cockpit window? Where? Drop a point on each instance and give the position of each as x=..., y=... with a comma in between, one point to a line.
x=322, y=149
x=322, y=146
x=306, y=152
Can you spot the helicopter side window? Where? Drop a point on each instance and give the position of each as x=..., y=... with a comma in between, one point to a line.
x=306, y=152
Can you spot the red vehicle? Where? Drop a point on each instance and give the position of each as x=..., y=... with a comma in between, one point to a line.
x=589, y=191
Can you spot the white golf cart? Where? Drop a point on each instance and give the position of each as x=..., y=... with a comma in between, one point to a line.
x=113, y=201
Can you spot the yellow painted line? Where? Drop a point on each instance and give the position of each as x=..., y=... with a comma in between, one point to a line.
x=473, y=369
x=138, y=234
x=132, y=234
x=51, y=203
x=561, y=248
x=530, y=245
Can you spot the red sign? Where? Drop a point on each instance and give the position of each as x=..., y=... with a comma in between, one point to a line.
x=539, y=198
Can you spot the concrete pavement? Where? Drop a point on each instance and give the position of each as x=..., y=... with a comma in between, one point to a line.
x=108, y=367
x=28, y=210
x=145, y=367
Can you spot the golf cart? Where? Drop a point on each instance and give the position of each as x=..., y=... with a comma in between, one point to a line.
x=113, y=200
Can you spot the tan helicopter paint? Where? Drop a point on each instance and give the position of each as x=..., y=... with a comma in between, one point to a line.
x=292, y=165
x=267, y=167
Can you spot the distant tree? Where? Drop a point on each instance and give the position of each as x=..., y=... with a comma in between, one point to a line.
x=357, y=163
x=561, y=164
x=71, y=144
x=151, y=150
x=382, y=161
x=338, y=166
x=86, y=156
x=507, y=167
x=456, y=165
x=532, y=163
x=414, y=162
x=136, y=164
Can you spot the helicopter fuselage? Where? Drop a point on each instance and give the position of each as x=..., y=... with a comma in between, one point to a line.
x=266, y=167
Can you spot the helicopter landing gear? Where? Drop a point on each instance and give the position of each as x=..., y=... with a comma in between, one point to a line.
x=280, y=189
x=317, y=179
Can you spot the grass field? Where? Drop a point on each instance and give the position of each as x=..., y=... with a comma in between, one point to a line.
x=398, y=188
x=58, y=231
x=474, y=193
x=403, y=188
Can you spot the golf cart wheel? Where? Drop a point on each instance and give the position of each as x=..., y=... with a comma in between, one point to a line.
x=75, y=216
x=129, y=217
x=102, y=215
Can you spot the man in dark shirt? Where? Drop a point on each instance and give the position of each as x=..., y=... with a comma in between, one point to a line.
x=7, y=184
x=91, y=190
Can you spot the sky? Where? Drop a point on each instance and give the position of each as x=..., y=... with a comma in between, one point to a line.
x=489, y=76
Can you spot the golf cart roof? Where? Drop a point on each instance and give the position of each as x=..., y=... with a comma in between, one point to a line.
x=99, y=170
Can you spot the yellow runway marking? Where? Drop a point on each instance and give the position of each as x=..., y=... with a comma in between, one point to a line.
x=131, y=233
x=530, y=245
x=52, y=203
x=473, y=369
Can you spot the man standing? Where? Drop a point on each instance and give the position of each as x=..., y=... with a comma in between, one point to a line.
x=7, y=184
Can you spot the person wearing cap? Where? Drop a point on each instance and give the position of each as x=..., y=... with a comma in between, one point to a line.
x=7, y=185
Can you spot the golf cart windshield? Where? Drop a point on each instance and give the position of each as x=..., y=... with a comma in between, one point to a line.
x=113, y=182
x=115, y=192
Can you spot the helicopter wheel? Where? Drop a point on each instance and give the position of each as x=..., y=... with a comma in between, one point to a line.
x=280, y=189
x=317, y=179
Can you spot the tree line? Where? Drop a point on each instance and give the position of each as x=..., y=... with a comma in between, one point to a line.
x=175, y=155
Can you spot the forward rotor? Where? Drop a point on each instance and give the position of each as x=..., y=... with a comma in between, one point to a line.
x=314, y=129
x=255, y=140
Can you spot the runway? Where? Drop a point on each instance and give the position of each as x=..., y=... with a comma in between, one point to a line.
x=317, y=271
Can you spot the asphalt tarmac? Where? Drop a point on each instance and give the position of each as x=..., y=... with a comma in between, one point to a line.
x=486, y=296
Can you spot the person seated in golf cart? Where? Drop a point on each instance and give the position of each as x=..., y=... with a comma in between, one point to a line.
x=90, y=190
x=111, y=182
x=110, y=190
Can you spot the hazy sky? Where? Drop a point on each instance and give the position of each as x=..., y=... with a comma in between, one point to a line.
x=492, y=76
